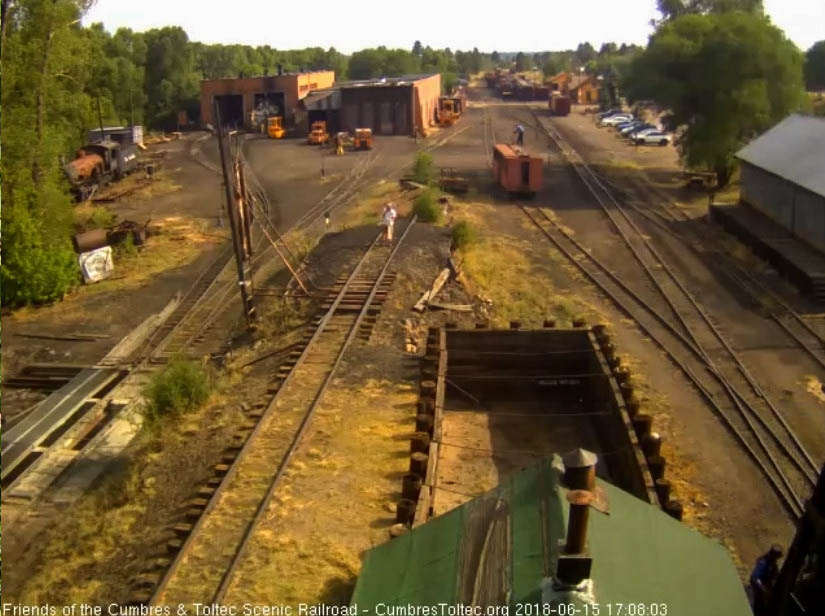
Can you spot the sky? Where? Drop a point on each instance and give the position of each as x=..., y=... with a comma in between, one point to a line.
x=351, y=25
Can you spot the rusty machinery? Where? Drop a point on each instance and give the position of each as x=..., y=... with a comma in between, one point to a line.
x=99, y=163
x=363, y=139
x=318, y=134
x=448, y=111
x=275, y=127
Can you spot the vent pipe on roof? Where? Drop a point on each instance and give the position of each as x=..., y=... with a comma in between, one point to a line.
x=574, y=562
x=577, y=523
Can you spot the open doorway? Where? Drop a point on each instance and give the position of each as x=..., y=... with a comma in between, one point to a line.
x=231, y=108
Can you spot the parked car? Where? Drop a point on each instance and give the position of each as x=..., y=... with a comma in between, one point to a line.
x=615, y=119
x=653, y=138
x=636, y=128
x=642, y=131
x=605, y=114
x=622, y=125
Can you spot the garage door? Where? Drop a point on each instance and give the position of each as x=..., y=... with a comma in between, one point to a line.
x=385, y=124
x=367, y=116
x=350, y=118
x=402, y=122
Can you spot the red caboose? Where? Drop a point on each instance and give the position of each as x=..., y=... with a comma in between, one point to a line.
x=515, y=170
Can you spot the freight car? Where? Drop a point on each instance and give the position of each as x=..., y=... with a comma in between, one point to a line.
x=559, y=105
x=516, y=171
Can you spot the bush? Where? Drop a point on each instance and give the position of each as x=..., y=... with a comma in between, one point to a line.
x=36, y=268
x=423, y=169
x=427, y=207
x=182, y=386
x=463, y=235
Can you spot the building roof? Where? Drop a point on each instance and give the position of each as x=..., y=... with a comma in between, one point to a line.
x=284, y=74
x=576, y=81
x=404, y=80
x=793, y=150
x=501, y=548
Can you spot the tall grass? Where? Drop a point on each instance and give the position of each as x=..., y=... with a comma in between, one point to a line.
x=427, y=207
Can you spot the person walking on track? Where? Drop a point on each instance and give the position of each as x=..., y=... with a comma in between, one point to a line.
x=519, y=135
x=388, y=217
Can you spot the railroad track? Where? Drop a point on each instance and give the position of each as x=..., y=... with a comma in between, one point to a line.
x=209, y=296
x=664, y=214
x=665, y=308
x=209, y=554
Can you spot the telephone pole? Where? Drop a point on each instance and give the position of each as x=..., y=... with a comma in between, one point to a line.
x=235, y=222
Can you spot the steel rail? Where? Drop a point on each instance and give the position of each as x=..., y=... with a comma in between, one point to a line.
x=225, y=481
x=230, y=573
x=788, y=500
x=736, y=397
x=811, y=472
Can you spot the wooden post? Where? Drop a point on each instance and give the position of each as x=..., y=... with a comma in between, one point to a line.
x=232, y=213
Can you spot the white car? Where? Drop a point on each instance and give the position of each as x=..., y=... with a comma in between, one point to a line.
x=615, y=119
x=654, y=137
x=641, y=133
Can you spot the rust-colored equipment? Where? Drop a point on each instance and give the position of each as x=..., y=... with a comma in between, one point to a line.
x=84, y=167
x=318, y=135
x=451, y=181
x=559, y=105
x=363, y=139
x=275, y=127
x=447, y=111
x=516, y=170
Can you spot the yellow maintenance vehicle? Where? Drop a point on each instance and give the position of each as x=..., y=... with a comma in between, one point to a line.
x=448, y=111
x=318, y=134
x=363, y=139
x=275, y=127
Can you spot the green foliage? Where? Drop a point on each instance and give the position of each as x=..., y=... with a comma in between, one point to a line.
x=183, y=386
x=423, y=169
x=724, y=78
x=522, y=62
x=463, y=235
x=35, y=268
x=101, y=218
x=427, y=208
x=815, y=67
x=126, y=249
x=671, y=9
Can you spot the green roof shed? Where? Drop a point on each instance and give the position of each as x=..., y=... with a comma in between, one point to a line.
x=502, y=549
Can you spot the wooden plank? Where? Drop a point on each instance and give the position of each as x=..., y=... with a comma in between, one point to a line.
x=74, y=337
x=422, y=508
x=453, y=307
x=440, y=386
x=431, y=477
x=428, y=295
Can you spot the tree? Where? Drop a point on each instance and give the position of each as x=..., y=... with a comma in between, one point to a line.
x=671, y=9
x=522, y=62
x=815, y=67
x=550, y=67
x=608, y=49
x=724, y=78
x=495, y=57
x=585, y=53
x=417, y=48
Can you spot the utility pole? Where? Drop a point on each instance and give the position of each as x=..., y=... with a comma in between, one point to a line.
x=244, y=281
x=100, y=117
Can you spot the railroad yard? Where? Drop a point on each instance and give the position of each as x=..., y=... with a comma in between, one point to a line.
x=606, y=312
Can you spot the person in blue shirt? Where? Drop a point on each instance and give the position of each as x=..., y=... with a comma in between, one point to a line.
x=762, y=578
x=519, y=135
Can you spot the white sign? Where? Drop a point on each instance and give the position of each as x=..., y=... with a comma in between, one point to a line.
x=96, y=264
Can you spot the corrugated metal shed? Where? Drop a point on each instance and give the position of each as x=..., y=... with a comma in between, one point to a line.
x=794, y=150
x=500, y=549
